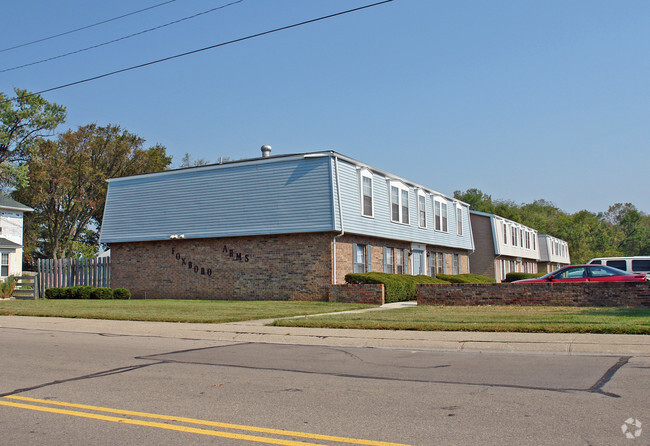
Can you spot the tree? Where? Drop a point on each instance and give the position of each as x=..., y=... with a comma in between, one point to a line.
x=24, y=120
x=67, y=184
x=187, y=161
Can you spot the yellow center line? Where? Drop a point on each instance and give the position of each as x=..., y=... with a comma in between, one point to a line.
x=187, y=420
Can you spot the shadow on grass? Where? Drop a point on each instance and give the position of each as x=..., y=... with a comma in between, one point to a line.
x=617, y=311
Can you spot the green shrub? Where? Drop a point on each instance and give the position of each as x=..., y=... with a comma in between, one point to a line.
x=101, y=293
x=83, y=292
x=511, y=277
x=54, y=293
x=397, y=287
x=7, y=287
x=121, y=293
x=465, y=278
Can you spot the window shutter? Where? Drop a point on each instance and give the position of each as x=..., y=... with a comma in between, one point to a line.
x=368, y=258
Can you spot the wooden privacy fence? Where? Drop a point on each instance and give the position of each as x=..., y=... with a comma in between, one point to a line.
x=55, y=273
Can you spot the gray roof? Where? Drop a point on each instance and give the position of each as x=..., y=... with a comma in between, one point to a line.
x=10, y=203
x=6, y=244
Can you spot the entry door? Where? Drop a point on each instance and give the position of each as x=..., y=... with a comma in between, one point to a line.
x=419, y=264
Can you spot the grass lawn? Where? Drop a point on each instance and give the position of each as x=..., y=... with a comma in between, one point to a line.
x=169, y=310
x=490, y=318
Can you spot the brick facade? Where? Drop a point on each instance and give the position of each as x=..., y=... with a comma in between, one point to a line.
x=273, y=267
x=606, y=294
x=269, y=267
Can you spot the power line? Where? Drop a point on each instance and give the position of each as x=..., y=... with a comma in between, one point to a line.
x=86, y=27
x=120, y=38
x=241, y=39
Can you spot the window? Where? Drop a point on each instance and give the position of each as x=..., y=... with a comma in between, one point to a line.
x=441, y=263
x=505, y=234
x=405, y=206
x=534, y=237
x=440, y=214
x=399, y=262
x=527, y=240
x=514, y=236
x=366, y=194
x=388, y=260
x=619, y=264
x=432, y=263
x=455, y=267
x=641, y=266
x=361, y=258
x=521, y=237
x=399, y=203
x=422, y=211
x=4, y=264
x=459, y=220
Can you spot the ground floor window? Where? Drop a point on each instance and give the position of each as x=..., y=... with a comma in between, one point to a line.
x=360, y=264
x=455, y=266
x=441, y=263
x=4, y=264
x=388, y=260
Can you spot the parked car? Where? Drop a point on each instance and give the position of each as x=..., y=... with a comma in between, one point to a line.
x=587, y=273
x=636, y=264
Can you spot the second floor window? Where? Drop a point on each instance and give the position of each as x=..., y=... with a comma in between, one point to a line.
x=459, y=220
x=440, y=215
x=366, y=194
x=399, y=204
x=422, y=212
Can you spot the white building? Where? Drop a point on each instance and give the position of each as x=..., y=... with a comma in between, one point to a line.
x=553, y=253
x=11, y=236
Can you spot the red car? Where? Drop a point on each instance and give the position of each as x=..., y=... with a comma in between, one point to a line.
x=587, y=273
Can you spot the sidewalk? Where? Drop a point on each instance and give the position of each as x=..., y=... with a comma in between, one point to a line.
x=256, y=331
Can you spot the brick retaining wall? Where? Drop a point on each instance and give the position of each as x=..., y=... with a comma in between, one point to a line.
x=366, y=293
x=610, y=294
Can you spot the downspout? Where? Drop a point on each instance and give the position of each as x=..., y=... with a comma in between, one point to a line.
x=338, y=196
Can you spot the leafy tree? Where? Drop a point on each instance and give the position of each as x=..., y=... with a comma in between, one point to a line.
x=24, y=120
x=67, y=185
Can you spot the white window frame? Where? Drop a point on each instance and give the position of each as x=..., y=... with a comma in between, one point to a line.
x=455, y=263
x=4, y=256
x=459, y=220
x=441, y=219
x=366, y=174
x=403, y=212
x=389, y=255
x=422, y=209
x=505, y=232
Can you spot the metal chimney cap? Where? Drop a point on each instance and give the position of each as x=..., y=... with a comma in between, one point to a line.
x=266, y=151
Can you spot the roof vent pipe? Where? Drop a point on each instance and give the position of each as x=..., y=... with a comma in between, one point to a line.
x=266, y=151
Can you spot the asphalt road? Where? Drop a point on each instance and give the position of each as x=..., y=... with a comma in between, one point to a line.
x=85, y=388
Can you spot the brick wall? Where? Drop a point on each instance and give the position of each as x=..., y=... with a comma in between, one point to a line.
x=272, y=267
x=610, y=294
x=367, y=293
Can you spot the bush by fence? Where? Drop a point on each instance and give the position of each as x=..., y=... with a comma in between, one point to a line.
x=465, y=278
x=87, y=292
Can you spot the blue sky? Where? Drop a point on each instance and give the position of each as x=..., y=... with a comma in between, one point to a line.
x=523, y=100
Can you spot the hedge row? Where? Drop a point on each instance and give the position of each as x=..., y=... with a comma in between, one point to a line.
x=511, y=277
x=402, y=287
x=87, y=292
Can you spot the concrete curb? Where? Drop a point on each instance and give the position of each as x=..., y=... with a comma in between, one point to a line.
x=255, y=331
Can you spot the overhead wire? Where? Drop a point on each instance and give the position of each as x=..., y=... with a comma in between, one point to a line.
x=86, y=27
x=176, y=56
x=121, y=38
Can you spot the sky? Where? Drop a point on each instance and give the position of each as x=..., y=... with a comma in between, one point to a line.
x=523, y=100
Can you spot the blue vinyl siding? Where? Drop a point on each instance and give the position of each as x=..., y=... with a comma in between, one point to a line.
x=381, y=225
x=282, y=196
